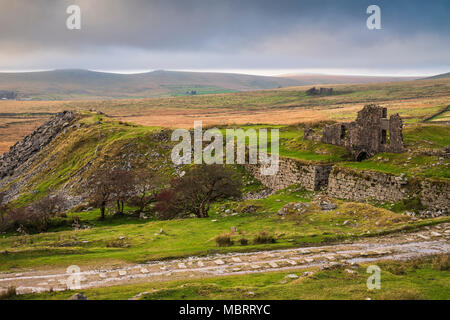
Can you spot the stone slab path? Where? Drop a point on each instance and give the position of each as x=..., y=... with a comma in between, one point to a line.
x=403, y=246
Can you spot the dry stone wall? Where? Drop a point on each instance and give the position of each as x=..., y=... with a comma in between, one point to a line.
x=435, y=195
x=355, y=185
x=311, y=177
x=366, y=185
x=369, y=185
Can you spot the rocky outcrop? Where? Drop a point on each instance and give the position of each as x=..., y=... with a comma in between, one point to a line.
x=33, y=143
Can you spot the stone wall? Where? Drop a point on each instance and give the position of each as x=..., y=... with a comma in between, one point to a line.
x=355, y=185
x=369, y=185
x=311, y=177
x=435, y=195
x=366, y=185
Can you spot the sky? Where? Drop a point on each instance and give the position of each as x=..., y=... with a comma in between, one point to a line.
x=243, y=36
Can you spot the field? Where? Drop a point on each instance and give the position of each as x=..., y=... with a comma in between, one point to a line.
x=413, y=100
x=187, y=237
x=131, y=134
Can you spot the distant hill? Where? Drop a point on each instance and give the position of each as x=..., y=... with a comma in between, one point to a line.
x=311, y=79
x=82, y=84
x=439, y=76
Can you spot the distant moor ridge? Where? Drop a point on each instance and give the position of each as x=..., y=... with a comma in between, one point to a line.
x=83, y=84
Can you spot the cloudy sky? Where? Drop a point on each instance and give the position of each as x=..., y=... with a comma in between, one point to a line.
x=250, y=36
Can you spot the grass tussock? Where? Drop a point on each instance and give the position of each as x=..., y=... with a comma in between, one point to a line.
x=264, y=237
x=243, y=241
x=405, y=294
x=119, y=243
x=441, y=262
x=9, y=293
x=224, y=240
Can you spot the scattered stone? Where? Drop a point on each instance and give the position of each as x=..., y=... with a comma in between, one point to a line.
x=436, y=234
x=219, y=262
x=136, y=297
x=293, y=208
x=291, y=276
x=249, y=209
x=327, y=205
x=78, y=296
x=181, y=266
x=236, y=259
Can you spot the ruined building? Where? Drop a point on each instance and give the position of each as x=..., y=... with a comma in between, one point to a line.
x=371, y=133
x=321, y=91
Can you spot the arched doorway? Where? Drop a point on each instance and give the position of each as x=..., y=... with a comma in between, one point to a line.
x=363, y=155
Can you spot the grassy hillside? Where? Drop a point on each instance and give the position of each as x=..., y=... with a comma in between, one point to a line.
x=186, y=237
x=440, y=76
x=93, y=142
x=99, y=140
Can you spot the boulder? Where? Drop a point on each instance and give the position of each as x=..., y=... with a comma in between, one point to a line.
x=78, y=296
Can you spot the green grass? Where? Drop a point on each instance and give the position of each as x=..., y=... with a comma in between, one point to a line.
x=73, y=156
x=411, y=280
x=292, y=145
x=187, y=237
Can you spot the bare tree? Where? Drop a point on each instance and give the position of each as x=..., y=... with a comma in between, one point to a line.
x=123, y=185
x=48, y=206
x=147, y=186
x=194, y=192
x=108, y=186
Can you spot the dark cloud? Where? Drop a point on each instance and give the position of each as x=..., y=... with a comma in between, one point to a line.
x=190, y=34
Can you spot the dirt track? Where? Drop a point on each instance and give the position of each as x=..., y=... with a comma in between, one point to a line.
x=428, y=241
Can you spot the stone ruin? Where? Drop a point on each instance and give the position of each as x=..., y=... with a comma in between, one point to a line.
x=321, y=91
x=371, y=133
